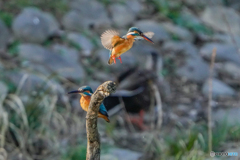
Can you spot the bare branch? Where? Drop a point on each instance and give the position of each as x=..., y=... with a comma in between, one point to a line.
x=93, y=138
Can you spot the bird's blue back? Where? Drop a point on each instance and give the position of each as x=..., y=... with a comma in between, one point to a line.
x=103, y=110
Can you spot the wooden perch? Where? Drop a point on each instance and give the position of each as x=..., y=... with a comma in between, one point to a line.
x=93, y=139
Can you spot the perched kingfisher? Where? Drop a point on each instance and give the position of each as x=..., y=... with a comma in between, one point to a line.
x=118, y=45
x=86, y=93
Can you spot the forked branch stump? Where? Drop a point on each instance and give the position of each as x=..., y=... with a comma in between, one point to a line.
x=93, y=138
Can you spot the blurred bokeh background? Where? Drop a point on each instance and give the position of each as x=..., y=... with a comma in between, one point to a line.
x=50, y=47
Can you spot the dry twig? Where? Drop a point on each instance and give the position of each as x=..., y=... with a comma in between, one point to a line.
x=159, y=106
x=210, y=100
x=93, y=139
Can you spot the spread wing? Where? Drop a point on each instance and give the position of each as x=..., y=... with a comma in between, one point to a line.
x=109, y=38
x=148, y=34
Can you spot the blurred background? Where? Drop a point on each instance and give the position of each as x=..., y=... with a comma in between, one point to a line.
x=50, y=47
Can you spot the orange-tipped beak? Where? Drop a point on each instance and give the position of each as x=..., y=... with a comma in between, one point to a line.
x=148, y=39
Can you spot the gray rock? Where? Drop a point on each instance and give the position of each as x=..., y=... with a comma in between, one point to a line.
x=233, y=39
x=119, y=154
x=135, y=6
x=227, y=115
x=33, y=25
x=194, y=69
x=73, y=21
x=1, y=66
x=225, y=38
x=83, y=15
x=179, y=32
x=4, y=89
x=186, y=48
x=234, y=4
x=149, y=25
x=4, y=35
x=54, y=26
x=191, y=19
x=221, y=18
x=198, y=3
x=89, y=7
x=225, y=52
x=231, y=69
x=121, y=15
x=53, y=62
x=141, y=48
x=67, y=53
x=219, y=89
x=83, y=42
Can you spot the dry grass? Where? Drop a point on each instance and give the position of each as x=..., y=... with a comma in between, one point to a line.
x=39, y=127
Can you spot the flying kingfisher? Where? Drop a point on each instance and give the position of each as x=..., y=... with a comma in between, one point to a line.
x=86, y=93
x=118, y=45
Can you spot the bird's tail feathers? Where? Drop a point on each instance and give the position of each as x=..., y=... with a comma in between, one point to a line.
x=104, y=117
x=110, y=60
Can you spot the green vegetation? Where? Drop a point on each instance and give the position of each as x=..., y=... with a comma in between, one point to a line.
x=13, y=48
x=75, y=45
x=191, y=143
x=7, y=18
x=58, y=7
x=169, y=67
x=76, y=153
x=195, y=27
x=172, y=10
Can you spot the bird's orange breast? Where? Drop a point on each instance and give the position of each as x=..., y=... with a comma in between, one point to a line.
x=122, y=47
x=84, y=102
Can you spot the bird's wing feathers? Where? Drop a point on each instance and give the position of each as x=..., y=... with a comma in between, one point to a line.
x=109, y=38
x=116, y=40
x=148, y=34
x=103, y=110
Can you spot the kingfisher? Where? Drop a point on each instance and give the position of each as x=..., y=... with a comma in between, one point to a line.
x=118, y=45
x=86, y=93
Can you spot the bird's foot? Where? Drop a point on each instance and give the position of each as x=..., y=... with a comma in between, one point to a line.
x=114, y=59
x=120, y=59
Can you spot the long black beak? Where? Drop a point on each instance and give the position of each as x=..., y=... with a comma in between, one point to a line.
x=146, y=38
x=77, y=91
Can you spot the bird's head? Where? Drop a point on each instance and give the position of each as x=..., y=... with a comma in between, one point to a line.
x=84, y=91
x=134, y=31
